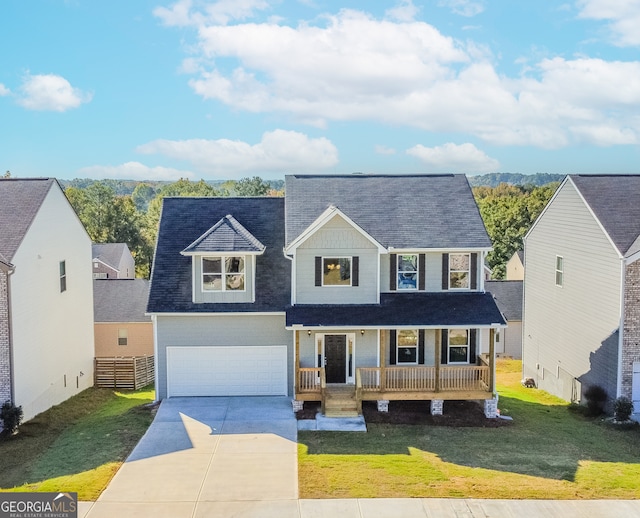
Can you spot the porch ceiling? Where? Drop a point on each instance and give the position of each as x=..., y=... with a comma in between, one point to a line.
x=402, y=309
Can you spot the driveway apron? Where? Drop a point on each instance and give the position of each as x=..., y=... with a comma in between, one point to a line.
x=209, y=456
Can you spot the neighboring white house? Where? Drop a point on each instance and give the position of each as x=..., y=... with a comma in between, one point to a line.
x=582, y=289
x=112, y=261
x=46, y=302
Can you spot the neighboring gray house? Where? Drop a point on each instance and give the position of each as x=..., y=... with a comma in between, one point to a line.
x=112, y=261
x=508, y=296
x=582, y=289
x=370, y=284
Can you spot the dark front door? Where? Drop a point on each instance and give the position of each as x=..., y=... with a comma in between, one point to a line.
x=335, y=358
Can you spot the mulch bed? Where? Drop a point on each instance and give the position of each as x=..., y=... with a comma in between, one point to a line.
x=455, y=414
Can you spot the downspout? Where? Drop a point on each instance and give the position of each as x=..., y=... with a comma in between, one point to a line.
x=12, y=394
x=623, y=268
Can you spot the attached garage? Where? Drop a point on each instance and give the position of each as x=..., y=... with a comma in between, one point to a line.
x=227, y=371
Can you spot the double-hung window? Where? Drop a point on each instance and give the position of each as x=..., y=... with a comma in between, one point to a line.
x=559, y=270
x=459, y=271
x=63, y=276
x=407, y=347
x=336, y=271
x=407, y=272
x=223, y=273
x=458, y=347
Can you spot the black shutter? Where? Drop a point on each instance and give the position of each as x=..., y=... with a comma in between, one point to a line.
x=421, y=346
x=392, y=347
x=393, y=271
x=421, y=270
x=445, y=272
x=355, y=271
x=472, y=346
x=318, y=271
x=444, y=347
x=474, y=271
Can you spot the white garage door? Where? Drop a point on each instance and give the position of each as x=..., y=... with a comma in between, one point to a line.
x=227, y=371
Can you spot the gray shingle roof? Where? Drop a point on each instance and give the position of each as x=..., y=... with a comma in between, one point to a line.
x=508, y=296
x=227, y=235
x=615, y=200
x=401, y=211
x=120, y=300
x=403, y=309
x=109, y=253
x=186, y=219
x=20, y=200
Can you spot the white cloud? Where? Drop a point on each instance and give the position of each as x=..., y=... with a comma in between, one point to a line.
x=134, y=171
x=405, y=11
x=623, y=17
x=353, y=67
x=384, y=150
x=181, y=14
x=279, y=151
x=466, y=8
x=463, y=158
x=50, y=92
x=4, y=90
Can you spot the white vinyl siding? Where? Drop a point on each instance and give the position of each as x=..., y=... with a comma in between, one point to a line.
x=565, y=328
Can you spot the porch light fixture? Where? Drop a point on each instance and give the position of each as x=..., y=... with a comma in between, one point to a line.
x=309, y=332
x=362, y=332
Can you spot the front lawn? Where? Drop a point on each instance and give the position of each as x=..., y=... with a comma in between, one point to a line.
x=548, y=451
x=78, y=445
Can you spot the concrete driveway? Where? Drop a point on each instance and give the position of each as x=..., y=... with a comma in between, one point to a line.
x=218, y=456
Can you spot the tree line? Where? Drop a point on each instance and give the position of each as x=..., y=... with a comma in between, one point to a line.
x=114, y=211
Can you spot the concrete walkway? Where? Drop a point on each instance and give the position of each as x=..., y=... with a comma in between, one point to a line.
x=237, y=457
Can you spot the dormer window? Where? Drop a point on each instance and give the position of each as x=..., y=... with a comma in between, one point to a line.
x=223, y=273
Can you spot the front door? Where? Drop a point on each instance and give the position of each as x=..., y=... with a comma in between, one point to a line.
x=335, y=358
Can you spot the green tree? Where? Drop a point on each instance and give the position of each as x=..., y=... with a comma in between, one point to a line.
x=142, y=195
x=112, y=219
x=508, y=211
x=252, y=187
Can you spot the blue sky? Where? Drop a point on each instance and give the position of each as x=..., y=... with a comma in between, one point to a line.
x=223, y=90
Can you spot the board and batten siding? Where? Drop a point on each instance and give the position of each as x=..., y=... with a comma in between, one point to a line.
x=565, y=327
x=219, y=330
x=337, y=238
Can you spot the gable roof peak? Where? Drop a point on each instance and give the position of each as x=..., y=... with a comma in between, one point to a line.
x=227, y=235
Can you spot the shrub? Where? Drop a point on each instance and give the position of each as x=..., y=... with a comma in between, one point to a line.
x=596, y=398
x=11, y=417
x=622, y=409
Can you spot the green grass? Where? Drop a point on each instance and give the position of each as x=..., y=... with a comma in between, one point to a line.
x=548, y=452
x=77, y=445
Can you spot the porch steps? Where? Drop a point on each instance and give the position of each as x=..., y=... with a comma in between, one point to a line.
x=340, y=401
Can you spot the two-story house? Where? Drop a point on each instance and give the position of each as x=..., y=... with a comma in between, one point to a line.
x=373, y=283
x=112, y=261
x=582, y=289
x=46, y=310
